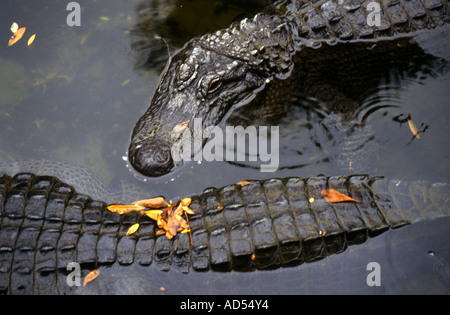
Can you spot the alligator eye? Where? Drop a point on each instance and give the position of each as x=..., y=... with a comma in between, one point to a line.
x=214, y=85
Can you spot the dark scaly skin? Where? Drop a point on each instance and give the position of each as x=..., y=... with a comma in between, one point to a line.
x=217, y=71
x=45, y=225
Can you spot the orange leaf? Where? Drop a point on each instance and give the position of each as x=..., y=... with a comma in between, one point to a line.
x=121, y=209
x=154, y=203
x=181, y=126
x=160, y=232
x=332, y=195
x=413, y=128
x=91, y=276
x=244, y=182
x=133, y=229
x=31, y=40
x=16, y=36
x=169, y=236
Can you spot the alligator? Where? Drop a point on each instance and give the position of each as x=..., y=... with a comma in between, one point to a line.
x=45, y=225
x=277, y=50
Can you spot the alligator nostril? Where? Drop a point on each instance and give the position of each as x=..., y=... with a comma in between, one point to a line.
x=152, y=159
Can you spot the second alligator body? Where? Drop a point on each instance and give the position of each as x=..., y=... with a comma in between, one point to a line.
x=45, y=225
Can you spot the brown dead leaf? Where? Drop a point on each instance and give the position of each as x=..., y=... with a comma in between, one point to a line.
x=16, y=36
x=332, y=195
x=181, y=126
x=413, y=128
x=122, y=209
x=154, y=203
x=91, y=276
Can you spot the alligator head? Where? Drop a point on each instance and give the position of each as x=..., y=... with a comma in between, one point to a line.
x=204, y=80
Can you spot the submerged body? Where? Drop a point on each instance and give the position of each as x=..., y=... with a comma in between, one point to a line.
x=45, y=225
x=255, y=59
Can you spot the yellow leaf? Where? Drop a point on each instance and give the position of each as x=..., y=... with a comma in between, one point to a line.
x=153, y=214
x=154, y=203
x=188, y=210
x=104, y=18
x=332, y=195
x=133, y=229
x=121, y=209
x=126, y=82
x=186, y=201
x=16, y=36
x=181, y=126
x=14, y=27
x=185, y=231
x=91, y=276
x=413, y=128
x=31, y=40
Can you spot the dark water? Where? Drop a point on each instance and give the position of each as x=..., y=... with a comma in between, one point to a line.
x=76, y=93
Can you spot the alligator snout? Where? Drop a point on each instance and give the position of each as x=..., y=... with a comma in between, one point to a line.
x=152, y=159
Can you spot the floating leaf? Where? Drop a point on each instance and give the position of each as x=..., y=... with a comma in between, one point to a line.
x=154, y=203
x=91, y=276
x=104, y=18
x=14, y=27
x=16, y=36
x=332, y=195
x=181, y=126
x=413, y=128
x=31, y=40
x=122, y=209
x=244, y=182
x=133, y=229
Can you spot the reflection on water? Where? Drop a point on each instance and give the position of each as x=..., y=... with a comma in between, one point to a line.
x=76, y=93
